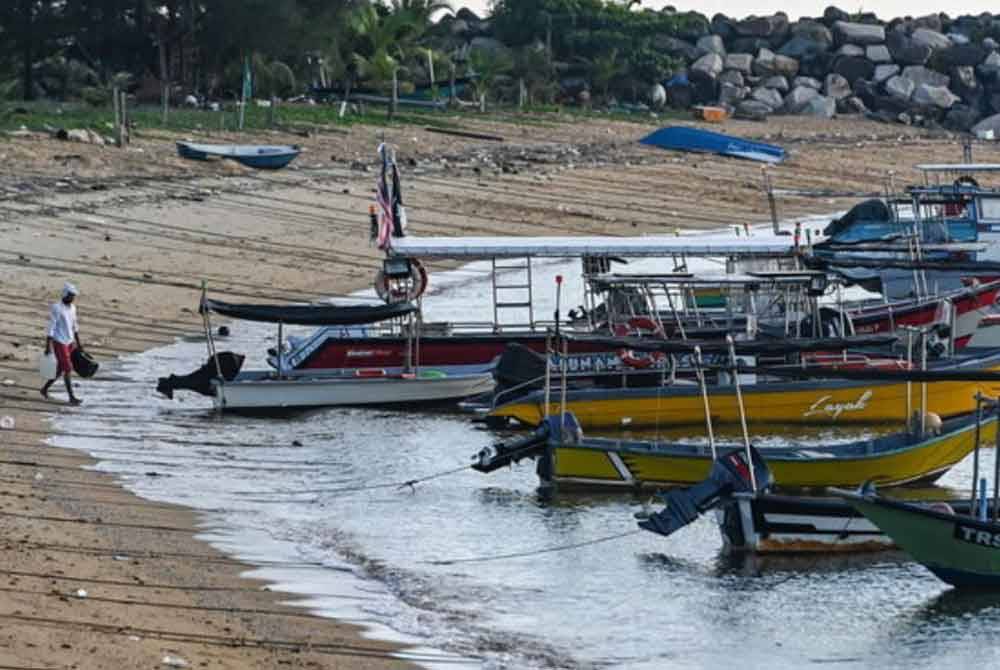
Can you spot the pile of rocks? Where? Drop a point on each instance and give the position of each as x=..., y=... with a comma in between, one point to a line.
x=928, y=70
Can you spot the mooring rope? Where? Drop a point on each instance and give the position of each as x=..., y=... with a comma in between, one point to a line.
x=532, y=552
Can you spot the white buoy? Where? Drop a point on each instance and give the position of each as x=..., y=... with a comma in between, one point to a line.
x=47, y=366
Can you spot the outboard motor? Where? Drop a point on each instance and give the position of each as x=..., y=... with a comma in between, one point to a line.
x=564, y=429
x=730, y=474
x=520, y=367
x=200, y=381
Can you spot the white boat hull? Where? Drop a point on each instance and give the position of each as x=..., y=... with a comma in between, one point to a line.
x=263, y=391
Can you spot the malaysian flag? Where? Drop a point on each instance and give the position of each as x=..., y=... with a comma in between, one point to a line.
x=389, y=198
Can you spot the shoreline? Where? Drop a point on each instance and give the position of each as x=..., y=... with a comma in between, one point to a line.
x=139, y=249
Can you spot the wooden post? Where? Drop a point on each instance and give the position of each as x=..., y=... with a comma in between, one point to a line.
x=165, y=99
x=482, y=102
x=395, y=94
x=242, y=104
x=116, y=105
x=271, y=111
x=521, y=93
x=430, y=70
x=451, y=91
x=124, y=111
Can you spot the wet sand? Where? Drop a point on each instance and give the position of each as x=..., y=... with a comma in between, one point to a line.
x=138, y=230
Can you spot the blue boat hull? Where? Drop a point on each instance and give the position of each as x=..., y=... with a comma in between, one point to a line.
x=256, y=156
x=682, y=138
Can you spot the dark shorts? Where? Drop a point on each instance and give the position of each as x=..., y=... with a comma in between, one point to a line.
x=63, y=354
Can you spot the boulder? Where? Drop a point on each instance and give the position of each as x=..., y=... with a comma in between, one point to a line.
x=762, y=26
x=988, y=128
x=930, y=38
x=785, y=66
x=960, y=55
x=878, y=53
x=734, y=77
x=814, y=31
x=723, y=26
x=796, y=101
x=712, y=44
x=658, y=96
x=817, y=67
x=739, y=62
x=919, y=74
x=853, y=68
x=820, y=106
x=961, y=118
x=883, y=72
x=84, y=135
x=752, y=110
x=704, y=87
x=931, y=22
x=833, y=15
x=676, y=47
x=763, y=64
x=808, y=82
x=768, y=96
x=900, y=88
x=802, y=47
x=868, y=92
x=777, y=82
x=836, y=87
x=730, y=95
x=692, y=26
x=855, y=105
x=990, y=44
x=858, y=33
x=850, y=50
x=905, y=52
x=927, y=95
x=965, y=85
x=749, y=45
x=711, y=64
x=990, y=67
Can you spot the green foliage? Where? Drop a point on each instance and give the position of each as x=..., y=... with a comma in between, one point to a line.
x=487, y=67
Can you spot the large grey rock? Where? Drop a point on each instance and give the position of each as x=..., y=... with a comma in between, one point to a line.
x=965, y=85
x=712, y=44
x=930, y=22
x=658, y=96
x=858, y=33
x=777, y=82
x=836, y=87
x=878, y=53
x=904, y=50
x=704, y=88
x=753, y=110
x=850, y=50
x=740, y=62
x=961, y=118
x=832, y=15
x=883, y=72
x=734, y=77
x=730, y=95
x=796, y=101
x=808, y=82
x=853, y=68
x=723, y=26
x=960, y=55
x=674, y=46
x=934, y=96
x=930, y=38
x=919, y=75
x=820, y=106
x=855, y=105
x=767, y=64
x=988, y=128
x=762, y=26
x=814, y=31
x=710, y=64
x=768, y=96
x=957, y=38
x=990, y=67
x=900, y=88
x=803, y=47
x=990, y=44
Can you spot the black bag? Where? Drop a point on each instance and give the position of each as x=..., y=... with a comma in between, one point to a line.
x=83, y=364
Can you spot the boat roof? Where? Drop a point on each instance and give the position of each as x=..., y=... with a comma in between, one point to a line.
x=798, y=278
x=958, y=167
x=720, y=244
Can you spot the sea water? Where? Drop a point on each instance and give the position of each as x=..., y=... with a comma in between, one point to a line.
x=475, y=570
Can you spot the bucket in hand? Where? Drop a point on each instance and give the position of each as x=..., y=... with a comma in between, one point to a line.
x=83, y=364
x=47, y=366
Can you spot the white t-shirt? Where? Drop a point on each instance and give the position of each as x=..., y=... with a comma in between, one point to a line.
x=62, y=323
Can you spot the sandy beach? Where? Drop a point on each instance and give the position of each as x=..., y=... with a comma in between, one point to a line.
x=138, y=230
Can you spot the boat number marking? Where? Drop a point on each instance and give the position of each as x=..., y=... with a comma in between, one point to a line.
x=835, y=409
x=982, y=538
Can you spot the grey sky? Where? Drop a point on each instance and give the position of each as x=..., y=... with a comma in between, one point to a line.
x=886, y=9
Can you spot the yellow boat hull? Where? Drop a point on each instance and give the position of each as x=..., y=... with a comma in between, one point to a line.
x=833, y=404
x=608, y=463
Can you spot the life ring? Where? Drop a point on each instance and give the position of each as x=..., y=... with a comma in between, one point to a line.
x=391, y=292
x=629, y=358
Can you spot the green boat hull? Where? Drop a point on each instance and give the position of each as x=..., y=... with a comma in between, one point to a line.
x=960, y=550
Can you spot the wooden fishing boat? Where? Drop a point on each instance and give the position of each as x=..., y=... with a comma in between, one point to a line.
x=567, y=459
x=259, y=156
x=961, y=550
x=767, y=401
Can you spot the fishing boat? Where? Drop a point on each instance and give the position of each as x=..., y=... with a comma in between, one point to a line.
x=684, y=138
x=567, y=459
x=259, y=156
x=282, y=389
x=960, y=549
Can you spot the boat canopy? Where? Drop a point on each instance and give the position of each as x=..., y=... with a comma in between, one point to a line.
x=311, y=315
x=958, y=167
x=717, y=279
x=749, y=347
x=563, y=247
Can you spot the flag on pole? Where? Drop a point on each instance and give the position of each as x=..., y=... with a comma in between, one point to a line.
x=389, y=198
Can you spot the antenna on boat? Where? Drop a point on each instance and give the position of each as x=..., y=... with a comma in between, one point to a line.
x=700, y=372
x=742, y=409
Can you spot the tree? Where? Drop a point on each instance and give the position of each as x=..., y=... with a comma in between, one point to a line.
x=603, y=71
x=486, y=67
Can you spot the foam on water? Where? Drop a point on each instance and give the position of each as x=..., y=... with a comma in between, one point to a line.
x=373, y=556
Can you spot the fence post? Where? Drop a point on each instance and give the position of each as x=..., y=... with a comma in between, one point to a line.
x=126, y=139
x=395, y=94
x=272, y=111
x=116, y=105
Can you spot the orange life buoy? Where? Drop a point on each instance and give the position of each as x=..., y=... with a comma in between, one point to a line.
x=417, y=285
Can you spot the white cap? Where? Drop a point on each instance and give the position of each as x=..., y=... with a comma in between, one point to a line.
x=69, y=289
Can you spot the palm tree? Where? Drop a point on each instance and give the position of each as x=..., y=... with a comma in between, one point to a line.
x=533, y=66
x=604, y=70
x=488, y=66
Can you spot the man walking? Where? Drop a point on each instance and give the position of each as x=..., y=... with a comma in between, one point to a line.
x=62, y=338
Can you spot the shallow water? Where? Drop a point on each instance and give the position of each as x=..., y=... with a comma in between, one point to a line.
x=435, y=565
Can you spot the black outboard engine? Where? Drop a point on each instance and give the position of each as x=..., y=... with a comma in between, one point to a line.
x=200, y=381
x=520, y=367
x=730, y=474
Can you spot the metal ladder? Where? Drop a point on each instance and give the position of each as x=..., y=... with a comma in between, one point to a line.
x=515, y=293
